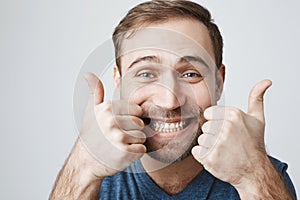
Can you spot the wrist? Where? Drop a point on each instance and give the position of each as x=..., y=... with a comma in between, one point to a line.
x=83, y=163
x=262, y=182
x=76, y=180
x=249, y=182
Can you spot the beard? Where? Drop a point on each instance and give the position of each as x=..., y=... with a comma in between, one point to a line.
x=172, y=150
x=178, y=148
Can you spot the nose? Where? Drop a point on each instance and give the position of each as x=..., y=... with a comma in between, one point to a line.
x=167, y=99
x=169, y=94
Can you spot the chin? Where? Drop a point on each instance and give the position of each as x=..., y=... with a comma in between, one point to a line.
x=168, y=156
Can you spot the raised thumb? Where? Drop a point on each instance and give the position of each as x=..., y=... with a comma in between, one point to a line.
x=95, y=87
x=256, y=99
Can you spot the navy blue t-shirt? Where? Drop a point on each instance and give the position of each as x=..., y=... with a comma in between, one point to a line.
x=128, y=185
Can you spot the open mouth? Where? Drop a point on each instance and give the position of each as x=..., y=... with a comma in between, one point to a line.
x=169, y=125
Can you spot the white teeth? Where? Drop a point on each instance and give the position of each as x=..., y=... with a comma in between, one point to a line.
x=161, y=126
x=168, y=127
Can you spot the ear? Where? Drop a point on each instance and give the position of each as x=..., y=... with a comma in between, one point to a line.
x=220, y=78
x=117, y=76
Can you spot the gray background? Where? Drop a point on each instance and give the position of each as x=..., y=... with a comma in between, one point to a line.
x=44, y=43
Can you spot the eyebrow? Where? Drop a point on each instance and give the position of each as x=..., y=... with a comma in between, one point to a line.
x=145, y=58
x=184, y=59
x=197, y=59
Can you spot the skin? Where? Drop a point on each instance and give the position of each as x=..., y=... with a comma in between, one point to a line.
x=231, y=146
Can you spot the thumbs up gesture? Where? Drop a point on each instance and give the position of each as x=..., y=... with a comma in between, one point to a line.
x=111, y=137
x=232, y=144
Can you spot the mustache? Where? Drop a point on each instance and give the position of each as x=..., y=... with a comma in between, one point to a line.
x=183, y=112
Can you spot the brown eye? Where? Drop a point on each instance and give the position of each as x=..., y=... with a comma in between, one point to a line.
x=192, y=77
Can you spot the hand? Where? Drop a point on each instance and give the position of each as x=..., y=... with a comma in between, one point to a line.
x=111, y=132
x=232, y=144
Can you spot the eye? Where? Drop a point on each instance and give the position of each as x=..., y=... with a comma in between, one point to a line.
x=191, y=75
x=146, y=75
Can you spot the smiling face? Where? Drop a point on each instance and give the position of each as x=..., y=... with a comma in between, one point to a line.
x=168, y=70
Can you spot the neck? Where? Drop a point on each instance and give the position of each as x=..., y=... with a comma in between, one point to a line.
x=172, y=178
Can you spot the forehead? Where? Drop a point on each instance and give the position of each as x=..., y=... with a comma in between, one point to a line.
x=178, y=38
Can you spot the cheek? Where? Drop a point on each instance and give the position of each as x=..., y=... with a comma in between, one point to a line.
x=138, y=94
x=202, y=96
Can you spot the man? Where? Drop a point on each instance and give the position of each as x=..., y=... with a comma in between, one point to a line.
x=165, y=137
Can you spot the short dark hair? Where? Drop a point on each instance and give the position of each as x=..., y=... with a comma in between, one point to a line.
x=157, y=11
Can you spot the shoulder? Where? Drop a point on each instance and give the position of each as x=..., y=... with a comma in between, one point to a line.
x=222, y=189
x=282, y=169
x=281, y=166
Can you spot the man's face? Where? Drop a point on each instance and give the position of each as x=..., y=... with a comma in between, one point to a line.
x=168, y=70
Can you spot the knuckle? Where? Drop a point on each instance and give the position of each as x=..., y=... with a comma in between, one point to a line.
x=137, y=121
x=125, y=149
x=100, y=109
x=140, y=149
x=105, y=106
x=109, y=121
x=128, y=149
x=138, y=136
x=206, y=126
x=209, y=160
x=227, y=130
x=142, y=138
x=122, y=138
x=227, y=126
x=116, y=137
x=223, y=138
x=143, y=149
x=139, y=110
x=199, y=140
x=235, y=114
